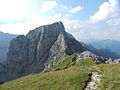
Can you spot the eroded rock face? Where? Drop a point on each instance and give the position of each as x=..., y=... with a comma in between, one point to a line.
x=17, y=56
x=57, y=51
x=40, y=49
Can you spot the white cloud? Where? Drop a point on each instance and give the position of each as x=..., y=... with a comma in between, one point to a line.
x=15, y=29
x=106, y=11
x=16, y=18
x=35, y=21
x=17, y=10
x=23, y=28
x=73, y=24
x=93, y=34
x=48, y=5
x=75, y=9
x=81, y=30
x=114, y=22
x=13, y=9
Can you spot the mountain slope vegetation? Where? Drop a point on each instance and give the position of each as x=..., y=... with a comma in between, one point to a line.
x=71, y=78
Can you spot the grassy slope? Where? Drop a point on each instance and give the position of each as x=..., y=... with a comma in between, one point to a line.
x=111, y=77
x=72, y=78
x=68, y=79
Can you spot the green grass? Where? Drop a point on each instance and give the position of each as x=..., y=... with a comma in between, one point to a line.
x=111, y=77
x=66, y=62
x=71, y=78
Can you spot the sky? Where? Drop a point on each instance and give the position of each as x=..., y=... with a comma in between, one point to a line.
x=84, y=19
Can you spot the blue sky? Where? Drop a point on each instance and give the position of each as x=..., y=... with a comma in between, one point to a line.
x=84, y=19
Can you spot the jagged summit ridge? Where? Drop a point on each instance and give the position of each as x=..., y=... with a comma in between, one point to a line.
x=55, y=27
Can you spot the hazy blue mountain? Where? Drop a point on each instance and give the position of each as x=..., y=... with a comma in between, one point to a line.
x=5, y=39
x=107, y=47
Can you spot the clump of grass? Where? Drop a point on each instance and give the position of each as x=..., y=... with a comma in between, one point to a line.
x=66, y=62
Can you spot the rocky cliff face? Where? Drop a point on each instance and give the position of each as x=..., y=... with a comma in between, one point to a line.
x=39, y=50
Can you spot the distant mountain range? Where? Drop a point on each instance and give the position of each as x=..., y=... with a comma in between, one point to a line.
x=107, y=48
x=5, y=39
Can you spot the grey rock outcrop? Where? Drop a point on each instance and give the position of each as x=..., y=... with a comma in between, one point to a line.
x=39, y=50
x=115, y=61
x=89, y=55
x=98, y=59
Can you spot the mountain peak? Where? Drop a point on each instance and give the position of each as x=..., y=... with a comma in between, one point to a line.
x=41, y=49
x=55, y=28
x=57, y=25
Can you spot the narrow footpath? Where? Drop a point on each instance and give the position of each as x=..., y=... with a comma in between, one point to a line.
x=93, y=82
